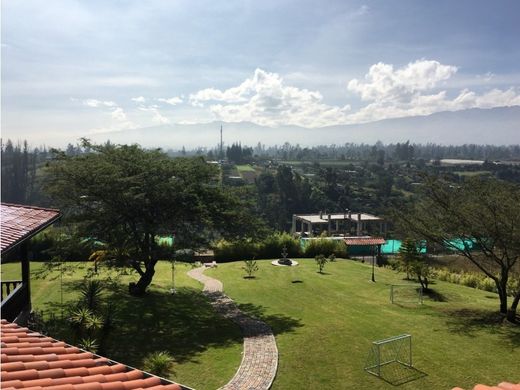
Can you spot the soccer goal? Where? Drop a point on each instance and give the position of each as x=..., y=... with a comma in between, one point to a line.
x=406, y=293
x=388, y=352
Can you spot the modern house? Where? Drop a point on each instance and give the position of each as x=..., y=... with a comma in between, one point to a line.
x=18, y=223
x=341, y=224
x=361, y=232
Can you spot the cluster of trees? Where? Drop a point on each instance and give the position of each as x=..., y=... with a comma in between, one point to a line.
x=126, y=197
x=20, y=165
x=400, y=151
x=238, y=154
x=478, y=219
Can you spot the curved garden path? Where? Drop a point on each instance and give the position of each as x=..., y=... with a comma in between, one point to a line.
x=260, y=357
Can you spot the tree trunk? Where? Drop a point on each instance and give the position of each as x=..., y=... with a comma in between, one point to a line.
x=139, y=288
x=511, y=313
x=502, y=294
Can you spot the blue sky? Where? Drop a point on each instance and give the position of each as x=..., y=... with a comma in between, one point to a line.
x=74, y=68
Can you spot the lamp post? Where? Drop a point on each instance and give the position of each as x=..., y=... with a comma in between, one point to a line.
x=172, y=290
x=373, y=264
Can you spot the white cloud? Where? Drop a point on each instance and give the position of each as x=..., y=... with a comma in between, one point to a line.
x=119, y=120
x=139, y=99
x=118, y=114
x=98, y=103
x=411, y=90
x=265, y=99
x=383, y=83
x=157, y=116
x=172, y=101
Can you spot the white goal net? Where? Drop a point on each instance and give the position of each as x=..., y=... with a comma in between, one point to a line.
x=406, y=293
x=387, y=353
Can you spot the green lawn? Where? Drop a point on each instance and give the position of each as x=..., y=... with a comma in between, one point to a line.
x=324, y=325
x=245, y=168
x=206, y=346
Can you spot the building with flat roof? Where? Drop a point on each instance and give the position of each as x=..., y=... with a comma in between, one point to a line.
x=344, y=224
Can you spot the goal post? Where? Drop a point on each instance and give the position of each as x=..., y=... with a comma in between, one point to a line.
x=406, y=293
x=393, y=350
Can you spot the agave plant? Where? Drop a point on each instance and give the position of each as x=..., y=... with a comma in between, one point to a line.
x=88, y=344
x=80, y=317
x=159, y=363
x=91, y=291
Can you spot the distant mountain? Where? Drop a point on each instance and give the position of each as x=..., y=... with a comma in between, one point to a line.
x=479, y=126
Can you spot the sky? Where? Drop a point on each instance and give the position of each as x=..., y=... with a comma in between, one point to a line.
x=77, y=68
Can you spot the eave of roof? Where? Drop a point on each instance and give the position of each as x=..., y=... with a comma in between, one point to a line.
x=364, y=241
x=33, y=361
x=18, y=223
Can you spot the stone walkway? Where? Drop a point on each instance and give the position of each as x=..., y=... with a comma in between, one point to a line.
x=260, y=356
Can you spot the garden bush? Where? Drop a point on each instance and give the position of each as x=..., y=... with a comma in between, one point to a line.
x=269, y=248
x=326, y=247
x=272, y=246
x=235, y=250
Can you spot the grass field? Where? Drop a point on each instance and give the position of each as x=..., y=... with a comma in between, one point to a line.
x=245, y=168
x=324, y=325
x=206, y=346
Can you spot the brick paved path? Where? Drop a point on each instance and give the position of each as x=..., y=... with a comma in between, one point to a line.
x=260, y=356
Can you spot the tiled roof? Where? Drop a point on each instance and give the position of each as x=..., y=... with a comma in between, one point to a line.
x=364, y=240
x=500, y=386
x=18, y=222
x=34, y=362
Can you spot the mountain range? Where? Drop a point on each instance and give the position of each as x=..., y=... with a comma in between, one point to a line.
x=498, y=126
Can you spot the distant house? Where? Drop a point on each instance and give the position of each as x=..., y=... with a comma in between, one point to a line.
x=344, y=224
x=361, y=232
x=18, y=224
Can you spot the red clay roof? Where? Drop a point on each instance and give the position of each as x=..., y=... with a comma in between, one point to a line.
x=19, y=222
x=364, y=241
x=500, y=386
x=34, y=362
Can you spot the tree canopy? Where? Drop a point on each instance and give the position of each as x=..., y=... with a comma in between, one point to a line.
x=480, y=220
x=125, y=197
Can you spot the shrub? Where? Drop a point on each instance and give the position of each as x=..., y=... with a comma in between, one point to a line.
x=159, y=363
x=271, y=247
x=235, y=250
x=250, y=267
x=487, y=284
x=470, y=280
x=268, y=248
x=321, y=260
x=325, y=247
x=91, y=291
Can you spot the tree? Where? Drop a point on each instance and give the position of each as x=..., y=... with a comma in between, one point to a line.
x=321, y=260
x=480, y=220
x=126, y=196
x=412, y=262
x=250, y=267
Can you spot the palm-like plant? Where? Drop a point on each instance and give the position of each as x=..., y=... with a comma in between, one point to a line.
x=91, y=291
x=88, y=344
x=159, y=363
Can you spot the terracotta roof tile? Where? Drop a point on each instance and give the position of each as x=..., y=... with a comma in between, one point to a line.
x=31, y=361
x=19, y=222
x=500, y=386
x=364, y=240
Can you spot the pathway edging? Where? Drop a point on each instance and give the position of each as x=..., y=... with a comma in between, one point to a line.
x=260, y=355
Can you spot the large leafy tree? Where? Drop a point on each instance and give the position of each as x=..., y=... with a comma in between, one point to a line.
x=126, y=196
x=480, y=220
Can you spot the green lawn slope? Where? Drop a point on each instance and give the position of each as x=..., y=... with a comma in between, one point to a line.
x=325, y=323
